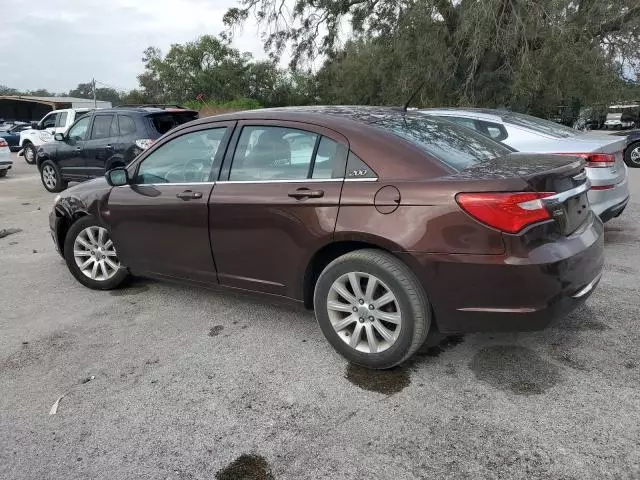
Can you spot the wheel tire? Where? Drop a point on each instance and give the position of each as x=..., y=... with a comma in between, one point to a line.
x=51, y=177
x=410, y=300
x=3, y=173
x=632, y=155
x=107, y=283
x=30, y=153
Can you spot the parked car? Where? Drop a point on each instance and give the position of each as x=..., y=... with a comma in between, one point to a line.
x=609, y=193
x=5, y=158
x=622, y=116
x=57, y=121
x=104, y=139
x=12, y=135
x=391, y=224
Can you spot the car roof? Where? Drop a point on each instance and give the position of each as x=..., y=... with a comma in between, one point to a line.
x=484, y=113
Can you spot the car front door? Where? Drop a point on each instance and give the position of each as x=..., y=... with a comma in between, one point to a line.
x=159, y=222
x=98, y=148
x=69, y=155
x=48, y=123
x=276, y=202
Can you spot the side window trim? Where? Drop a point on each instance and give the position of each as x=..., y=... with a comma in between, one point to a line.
x=314, y=153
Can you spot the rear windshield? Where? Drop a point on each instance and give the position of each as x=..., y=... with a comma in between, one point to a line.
x=546, y=127
x=457, y=146
x=163, y=122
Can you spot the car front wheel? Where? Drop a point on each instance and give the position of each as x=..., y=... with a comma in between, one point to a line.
x=632, y=155
x=372, y=309
x=91, y=255
x=51, y=177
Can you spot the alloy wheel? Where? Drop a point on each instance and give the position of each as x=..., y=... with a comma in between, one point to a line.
x=364, y=312
x=49, y=176
x=95, y=254
x=29, y=154
x=635, y=155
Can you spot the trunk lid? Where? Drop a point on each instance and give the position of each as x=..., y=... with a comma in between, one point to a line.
x=563, y=176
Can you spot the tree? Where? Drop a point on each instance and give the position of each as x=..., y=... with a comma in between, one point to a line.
x=85, y=90
x=528, y=54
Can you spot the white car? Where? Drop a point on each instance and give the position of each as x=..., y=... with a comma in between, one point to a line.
x=57, y=121
x=5, y=158
x=605, y=167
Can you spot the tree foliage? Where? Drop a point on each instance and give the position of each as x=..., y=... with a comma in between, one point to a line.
x=526, y=54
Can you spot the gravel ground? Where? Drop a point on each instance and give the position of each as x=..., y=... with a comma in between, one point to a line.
x=191, y=384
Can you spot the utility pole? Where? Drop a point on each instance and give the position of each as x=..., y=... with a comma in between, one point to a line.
x=93, y=83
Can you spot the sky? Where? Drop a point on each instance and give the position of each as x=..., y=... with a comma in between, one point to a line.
x=57, y=44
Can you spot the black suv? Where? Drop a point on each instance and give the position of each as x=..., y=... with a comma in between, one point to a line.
x=104, y=139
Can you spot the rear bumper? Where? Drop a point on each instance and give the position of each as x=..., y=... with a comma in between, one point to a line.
x=513, y=292
x=602, y=201
x=5, y=164
x=614, y=211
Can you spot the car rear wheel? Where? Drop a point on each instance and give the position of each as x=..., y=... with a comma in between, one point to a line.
x=3, y=173
x=371, y=308
x=51, y=177
x=632, y=155
x=30, y=153
x=91, y=255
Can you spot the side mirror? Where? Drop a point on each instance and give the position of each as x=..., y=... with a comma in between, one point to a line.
x=59, y=137
x=117, y=177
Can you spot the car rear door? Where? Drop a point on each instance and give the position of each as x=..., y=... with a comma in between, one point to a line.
x=98, y=148
x=159, y=222
x=275, y=204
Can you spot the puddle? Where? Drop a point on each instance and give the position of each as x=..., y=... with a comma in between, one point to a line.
x=215, y=331
x=246, y=467
x=387, y=382
x=5, y=232
x=516, y=369
x=133, y=289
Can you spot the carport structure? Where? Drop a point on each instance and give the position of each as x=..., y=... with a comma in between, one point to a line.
x=27, y=108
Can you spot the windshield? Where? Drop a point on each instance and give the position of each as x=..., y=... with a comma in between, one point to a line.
x=163, y=122
x=457, y=146
x=536, y=124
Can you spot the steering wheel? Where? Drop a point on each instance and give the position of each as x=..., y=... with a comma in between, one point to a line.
x=194, y=170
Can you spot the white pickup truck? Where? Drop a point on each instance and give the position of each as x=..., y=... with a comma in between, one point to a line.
x=57, y=121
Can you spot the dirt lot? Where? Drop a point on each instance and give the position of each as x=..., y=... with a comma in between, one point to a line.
x=191, y=384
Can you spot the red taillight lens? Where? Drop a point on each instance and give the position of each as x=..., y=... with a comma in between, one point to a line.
x=3, y=143
x=508, y=212
x=595, y=160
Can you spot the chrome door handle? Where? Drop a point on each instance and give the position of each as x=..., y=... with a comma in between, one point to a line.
x=189, y=195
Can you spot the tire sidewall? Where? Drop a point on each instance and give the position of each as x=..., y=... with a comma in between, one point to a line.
x=394, y=354
x=31, y=147
x=76, y=228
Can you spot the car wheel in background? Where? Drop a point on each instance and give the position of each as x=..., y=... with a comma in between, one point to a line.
x=632, y=155
x=51, y=177
x=30, y=153
x=3, y=173
x=91, y=255
x=372, y=308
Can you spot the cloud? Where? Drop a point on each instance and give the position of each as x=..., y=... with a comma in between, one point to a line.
x=56, y=45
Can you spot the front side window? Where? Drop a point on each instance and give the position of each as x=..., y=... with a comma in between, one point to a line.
x=62, y=119
x=78, y=130
x=49, y=121
x=456, y=146
x=101, y=127
x=185, y=159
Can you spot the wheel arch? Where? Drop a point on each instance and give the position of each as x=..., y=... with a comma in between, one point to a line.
x=68, y=214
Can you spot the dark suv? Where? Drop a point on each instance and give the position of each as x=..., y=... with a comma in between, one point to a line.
x=104, y=139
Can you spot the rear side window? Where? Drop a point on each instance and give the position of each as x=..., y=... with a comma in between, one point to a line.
x=456, y=146
x=492, y=130
x=62, y=119
x=163, y=122
x=540, y=125
x=127, y=125
x=101, y=127
x=356, y=168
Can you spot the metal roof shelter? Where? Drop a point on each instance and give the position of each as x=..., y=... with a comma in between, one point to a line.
x=28, y=108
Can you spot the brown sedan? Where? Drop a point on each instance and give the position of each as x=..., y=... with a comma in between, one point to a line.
x=387, y=223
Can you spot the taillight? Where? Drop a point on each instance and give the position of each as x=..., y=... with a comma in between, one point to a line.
x=3, y=143
x=595, y=160
x=508, y=212
x=144, y=143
